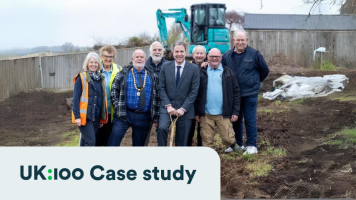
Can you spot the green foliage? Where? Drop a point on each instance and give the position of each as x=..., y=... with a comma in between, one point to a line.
x=325, y=66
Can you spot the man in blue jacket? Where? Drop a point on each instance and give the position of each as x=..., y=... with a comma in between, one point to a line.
x=251, y=70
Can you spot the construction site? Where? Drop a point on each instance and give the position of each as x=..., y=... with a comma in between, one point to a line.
x=306, y=147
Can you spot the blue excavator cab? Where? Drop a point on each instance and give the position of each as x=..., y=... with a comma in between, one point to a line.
x=206, y=26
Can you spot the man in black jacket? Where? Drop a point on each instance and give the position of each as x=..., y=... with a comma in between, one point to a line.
x=218, y=101
x=156, y=60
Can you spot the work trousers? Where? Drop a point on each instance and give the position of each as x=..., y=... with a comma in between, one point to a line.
x=223, y=126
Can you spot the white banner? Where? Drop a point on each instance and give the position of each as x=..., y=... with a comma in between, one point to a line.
x=109, y=173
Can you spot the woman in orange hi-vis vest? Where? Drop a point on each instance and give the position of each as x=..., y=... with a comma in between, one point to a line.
x=89, y=100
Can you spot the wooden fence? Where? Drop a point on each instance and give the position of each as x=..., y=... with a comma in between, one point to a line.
x=57, y=72
x=299, y=46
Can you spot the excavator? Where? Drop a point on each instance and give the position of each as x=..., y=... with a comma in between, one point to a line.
x=206, y=26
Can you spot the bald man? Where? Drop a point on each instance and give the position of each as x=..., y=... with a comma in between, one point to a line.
x=218, y=102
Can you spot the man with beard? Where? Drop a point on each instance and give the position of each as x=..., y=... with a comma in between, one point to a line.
x=135, y=98
x=178, y=88
x=156, y=60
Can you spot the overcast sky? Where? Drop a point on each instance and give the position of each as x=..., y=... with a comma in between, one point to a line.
x=27, y=24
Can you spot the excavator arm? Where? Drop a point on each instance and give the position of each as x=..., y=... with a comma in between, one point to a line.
x=180, y=15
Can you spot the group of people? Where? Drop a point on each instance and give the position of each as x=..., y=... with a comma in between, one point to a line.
x=215, y=92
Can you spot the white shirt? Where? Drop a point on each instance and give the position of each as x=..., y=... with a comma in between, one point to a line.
x=181, y=68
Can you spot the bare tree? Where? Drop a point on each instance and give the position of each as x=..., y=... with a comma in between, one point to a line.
x=175, y=34
x=68, y=47
x=231, y=18
x=98, y=42
x=347, y=7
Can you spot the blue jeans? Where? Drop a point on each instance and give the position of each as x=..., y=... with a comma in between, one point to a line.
x=248, y=112
x=140, y=123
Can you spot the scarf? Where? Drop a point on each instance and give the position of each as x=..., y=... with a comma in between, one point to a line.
x=95, y=76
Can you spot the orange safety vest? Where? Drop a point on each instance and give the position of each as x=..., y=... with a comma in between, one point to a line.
x=83, y=102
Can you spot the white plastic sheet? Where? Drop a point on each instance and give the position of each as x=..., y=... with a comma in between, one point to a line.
x=290, y=88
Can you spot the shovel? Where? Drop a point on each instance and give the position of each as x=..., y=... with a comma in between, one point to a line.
x=173, y=131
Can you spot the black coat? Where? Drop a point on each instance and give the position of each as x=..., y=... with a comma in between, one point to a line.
x=231, y=93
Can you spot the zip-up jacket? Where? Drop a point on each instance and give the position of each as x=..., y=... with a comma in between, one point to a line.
x=231, y=93
x=86, y=98
x=152, y=66
x=118, y=93
x=250, y=72
x=115, y=69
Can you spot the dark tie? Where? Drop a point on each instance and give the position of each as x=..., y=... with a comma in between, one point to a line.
x=142, y=93
x=178, y=75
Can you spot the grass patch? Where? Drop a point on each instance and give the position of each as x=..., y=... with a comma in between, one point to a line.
x=71, y=139
x=259, y=168
x=345, y=138
x=325, y=66
x=297, y=101
x=349, y=132
x=260, y=97
x=230, y=156
x=277, y=103
x=274, y=152
x=335, y=142
x=249, y=157
x=267, y=110
x=346, y=98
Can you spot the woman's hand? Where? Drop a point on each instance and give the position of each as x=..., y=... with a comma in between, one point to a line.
x=78, y=122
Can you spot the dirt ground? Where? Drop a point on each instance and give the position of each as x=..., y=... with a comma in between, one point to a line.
x=312, y=168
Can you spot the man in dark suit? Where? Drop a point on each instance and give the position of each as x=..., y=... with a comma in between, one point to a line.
x=178, y=89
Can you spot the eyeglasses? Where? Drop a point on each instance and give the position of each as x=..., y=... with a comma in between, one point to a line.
x=110, y=57
x=214, y=57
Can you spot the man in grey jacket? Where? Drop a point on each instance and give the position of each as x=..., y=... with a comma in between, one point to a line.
x=178, y=89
